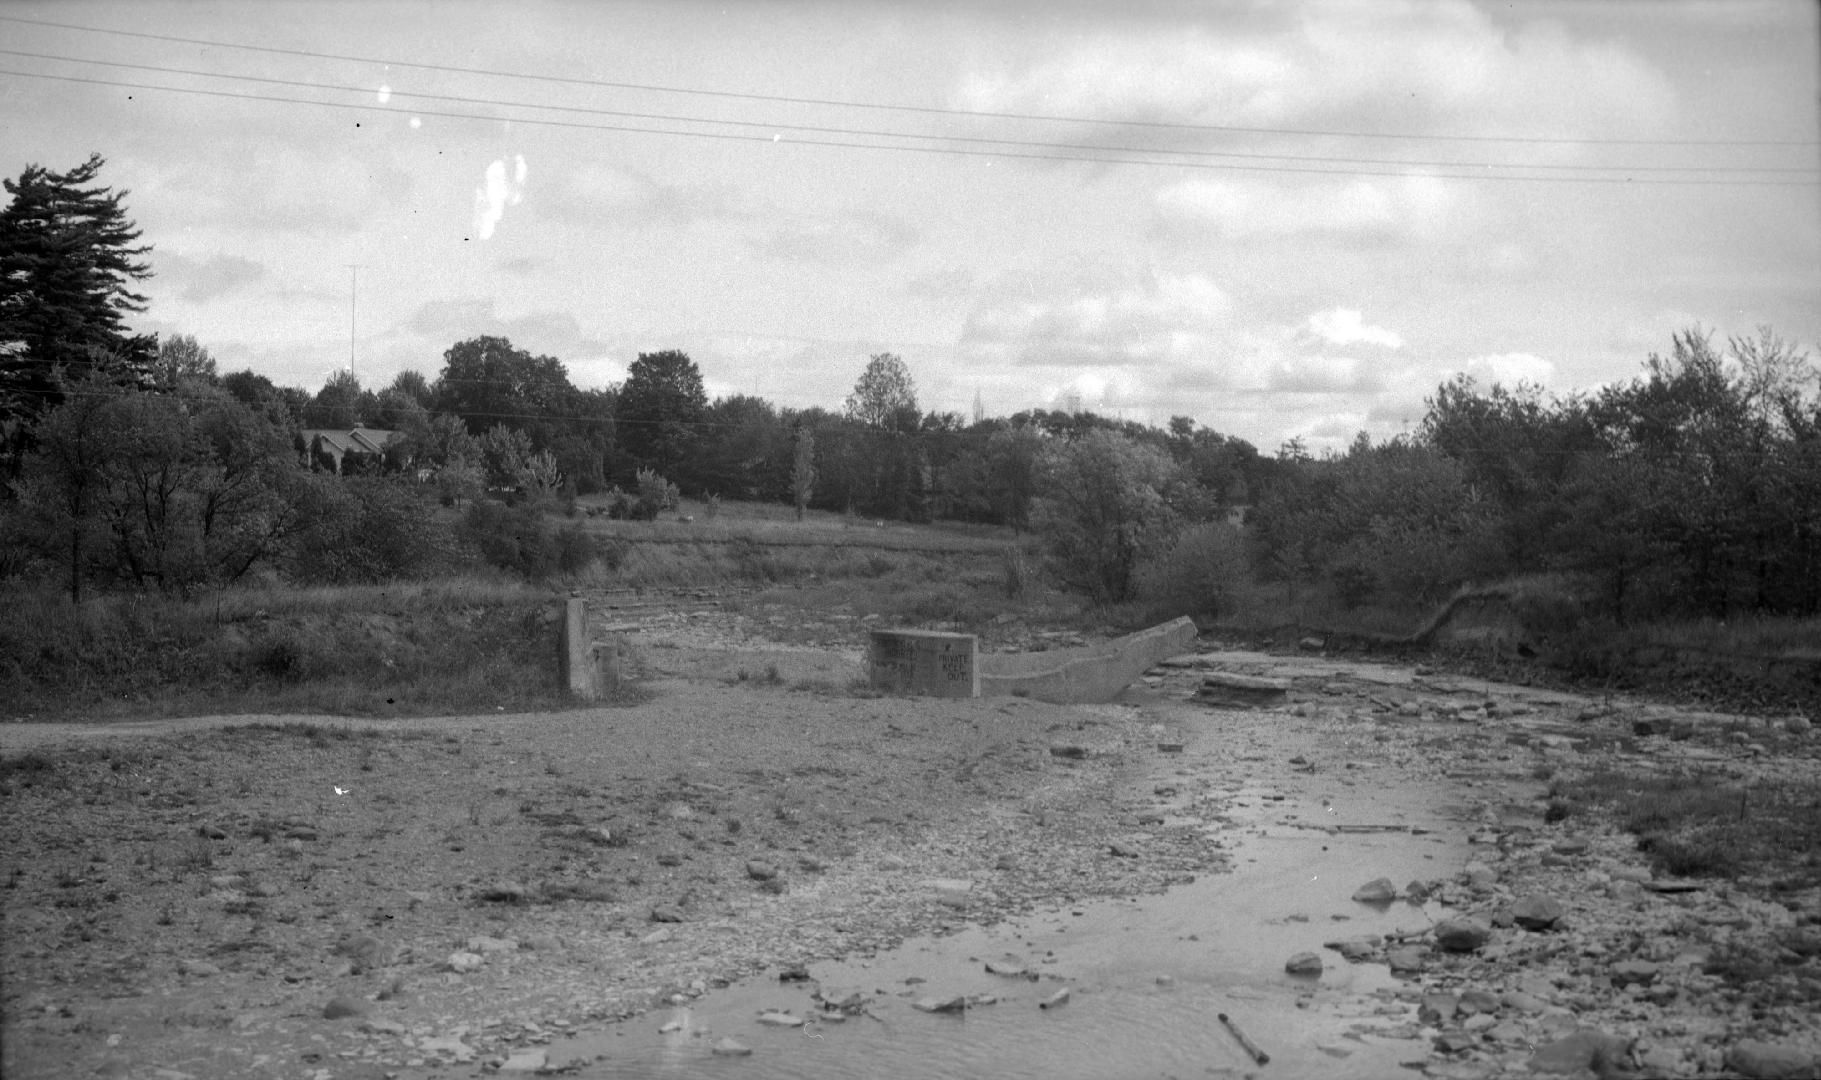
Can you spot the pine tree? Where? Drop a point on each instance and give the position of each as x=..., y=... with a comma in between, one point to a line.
x=68, y=257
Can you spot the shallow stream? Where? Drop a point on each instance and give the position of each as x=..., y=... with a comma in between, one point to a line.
x=1149, y=977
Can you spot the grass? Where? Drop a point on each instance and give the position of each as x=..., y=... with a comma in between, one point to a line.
x=421, y=648
x=1702, y=824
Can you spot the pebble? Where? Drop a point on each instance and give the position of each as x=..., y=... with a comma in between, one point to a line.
x=1059, y=998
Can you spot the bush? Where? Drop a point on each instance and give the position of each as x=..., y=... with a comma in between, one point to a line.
x=1198, y=573
x=366, y=531
x=520, y=539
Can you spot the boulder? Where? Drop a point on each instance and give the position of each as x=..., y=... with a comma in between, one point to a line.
x=1304, y=963
x=1377, y=891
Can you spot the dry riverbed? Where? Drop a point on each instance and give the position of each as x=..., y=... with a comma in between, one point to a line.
x=301, y=897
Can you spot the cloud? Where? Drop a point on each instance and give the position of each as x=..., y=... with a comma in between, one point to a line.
x=1444, y=67
x=1360, y=210
x=614, y=195
x=200, y=282
x=499, y=191
x=844, y=239
x=277, y=187
x=1345, y=326
x=552, y=333
x=1509, y=369
x=1160, y=319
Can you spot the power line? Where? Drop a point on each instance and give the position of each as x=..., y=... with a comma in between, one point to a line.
x=872, y=133
x=950, y=151
x=921, y=109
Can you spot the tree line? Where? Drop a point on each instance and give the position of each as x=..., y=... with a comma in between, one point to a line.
x=1694, y=488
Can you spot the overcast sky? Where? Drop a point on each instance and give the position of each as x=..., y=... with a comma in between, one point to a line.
x=1279, y=219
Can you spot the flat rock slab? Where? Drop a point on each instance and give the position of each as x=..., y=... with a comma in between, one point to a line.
x=1242, y=691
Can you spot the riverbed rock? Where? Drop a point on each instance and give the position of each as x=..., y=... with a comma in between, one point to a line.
x=464, y=962
x=1536, y=912
x=1304, y=963
x=1437, y=1008
x=1354, y=950
x=528, y=1061
x=483, y=944
x=731, y=1048
x=1376, y=891
x=1629, y=972
x=1463, y=935
x=1585, y=1050
x=669, y=913
x=1762, y=1060
x=1011, y=969
x=1056, y=1000
x=342, y=1006
x=1474, y=1002
x=760, y=870
x=784, y=1019
x=954, y=1003
x=1408, y=959
x=1228, y=690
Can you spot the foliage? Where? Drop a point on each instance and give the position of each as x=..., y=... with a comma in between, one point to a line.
x=168, y=490
x=1102, y=508
x=803, y=470
x=521, y=539
x=885, y=396
x=68, y=258
x=341, y=404
x=366, y=530
x=1198, y=572
x=655, y=494
x=181, y=357
x=660, y=410
x=487, y=383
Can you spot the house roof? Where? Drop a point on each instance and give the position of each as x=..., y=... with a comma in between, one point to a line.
x=360, y=440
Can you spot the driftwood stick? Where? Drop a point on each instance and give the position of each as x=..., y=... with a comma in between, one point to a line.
x=1251, y=1047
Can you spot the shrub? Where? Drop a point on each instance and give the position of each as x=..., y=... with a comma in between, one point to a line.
x=366, y=531
x=1199, y=573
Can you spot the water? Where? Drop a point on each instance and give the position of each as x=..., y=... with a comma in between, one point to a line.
x=1148, y=977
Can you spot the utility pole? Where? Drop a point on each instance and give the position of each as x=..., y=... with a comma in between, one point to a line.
x=353, y=299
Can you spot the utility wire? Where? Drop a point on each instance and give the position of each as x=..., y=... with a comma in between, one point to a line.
x=922, y=109
x=951, y=151
x=872, y=133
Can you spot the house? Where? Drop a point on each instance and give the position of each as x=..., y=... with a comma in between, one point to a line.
x=358, y=449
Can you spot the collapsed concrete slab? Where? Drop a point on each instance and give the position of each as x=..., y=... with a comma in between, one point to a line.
x=1095, y=673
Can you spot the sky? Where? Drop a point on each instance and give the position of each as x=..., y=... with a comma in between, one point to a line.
x=1285, y=220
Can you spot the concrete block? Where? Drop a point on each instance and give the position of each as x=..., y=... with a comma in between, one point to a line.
x=575, y=652
x=925, y=662
x=1096, y=673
